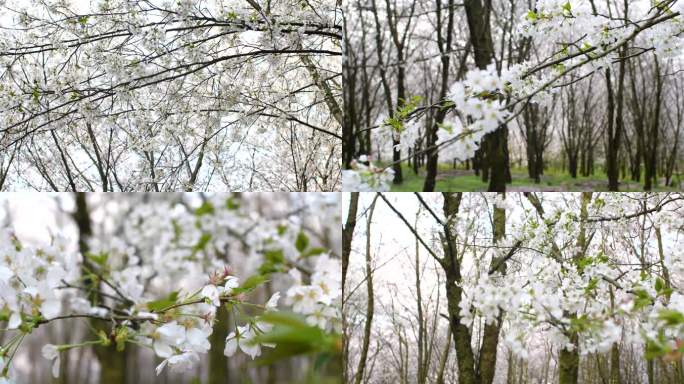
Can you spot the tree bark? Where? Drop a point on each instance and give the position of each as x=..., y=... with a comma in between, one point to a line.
x=423, y=360
x=112, y=362
x=461, y=334
x=650, y=158
x=444, y=45
x=347, y=237
x=218, y=364
x=490, y=337
x=477, y=15
x=358, y=376
x=569, y=358
x=444, y=358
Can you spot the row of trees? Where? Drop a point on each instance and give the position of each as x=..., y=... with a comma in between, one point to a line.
x=588, y=84
x=483, y=288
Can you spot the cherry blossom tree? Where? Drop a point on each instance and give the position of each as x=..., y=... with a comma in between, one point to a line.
x=488, y=72
x=569, y=288
x=186, y=278
x=160, y=95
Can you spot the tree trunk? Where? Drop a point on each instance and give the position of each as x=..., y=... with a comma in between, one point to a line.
x=568, y=366
x=461, y=334
x=347, y=237
x=650, y=159
x=358, y=376
x=112, y=363
x=483, y=48
x=444, y=358
x=218, y=364
x=490, y=337
x=569, y=359
x=423, y=360
x=572, y=165
x=444, y=45
x=614, y=351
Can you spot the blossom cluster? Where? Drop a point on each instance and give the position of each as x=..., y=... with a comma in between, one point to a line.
x=157, y=74
x=29, y=278
x=365, y=178
x=480, y=108
x=187, y=243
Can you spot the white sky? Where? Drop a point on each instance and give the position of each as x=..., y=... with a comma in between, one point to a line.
x=33, y=215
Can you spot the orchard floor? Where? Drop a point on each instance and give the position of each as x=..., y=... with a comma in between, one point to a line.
x=554, y=180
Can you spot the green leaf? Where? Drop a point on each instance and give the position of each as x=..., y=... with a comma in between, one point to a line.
x=83, y=20
x=273, y=261
x=282, y=228
x=5, y=314
x=121, y=337
x=395, y=123
x=177, y=230
x=275, y=256
x=591, y=287
x=602, y=258
x=294, y=336
x=232, y=205
x=671, y=317
x=159, y=305
x=202, y=243
x=99, y=259
x=205, y=209
x=531, y=15
x=659, y=284
x=104, y=338
x=565, y=50
x=653, y=350
x=35, y=95
x=447, y=127
x=567, y=8
x=580, y=324
x=314, y=252
x=583, y=262
x=642, y=299
x=302, y=242
x=251, y=283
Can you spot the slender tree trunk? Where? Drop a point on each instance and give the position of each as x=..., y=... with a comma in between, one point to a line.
x=614, y=351
x=358, y=376
x=483, y=47
x=444, y=358
x=650, y=155
x=569, y=358
x=572, y=165
x=347, y=237
x=444, y=40
x=348, y=233
x=422, y=359
x=611, y=156
x=490, y=337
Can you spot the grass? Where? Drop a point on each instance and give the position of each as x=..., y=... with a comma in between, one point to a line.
x=553, y=179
